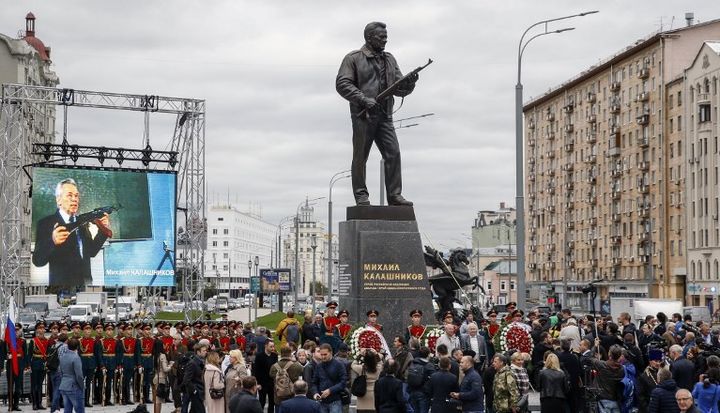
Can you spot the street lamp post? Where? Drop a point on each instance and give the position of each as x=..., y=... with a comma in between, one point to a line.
x=257, y=275
x=297, y=247
x=338, y=176
x=519, y=153
x=250, y=264
x=313, y=287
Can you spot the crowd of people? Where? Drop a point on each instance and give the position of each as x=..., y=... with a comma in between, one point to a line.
x=577, y=364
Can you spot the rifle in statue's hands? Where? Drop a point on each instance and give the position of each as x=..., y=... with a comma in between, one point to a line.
x=94, y=215
x=395, y=86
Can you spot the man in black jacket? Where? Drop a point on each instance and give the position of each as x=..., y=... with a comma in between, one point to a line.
x=571, y=364
x=245, y=401
x=439, y=387
x=261, y=370
x=610, y=373
x=193, y=381
x=683, y=370
x=329, y=379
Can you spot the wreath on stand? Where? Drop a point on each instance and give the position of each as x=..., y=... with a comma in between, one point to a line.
x=431, y=338
x=364, y=338
x=515, y=336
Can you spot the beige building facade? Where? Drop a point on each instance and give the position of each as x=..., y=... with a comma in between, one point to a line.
x=700, y=124
x=601, y=202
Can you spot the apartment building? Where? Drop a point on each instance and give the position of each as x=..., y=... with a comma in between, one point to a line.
x=600, y=197
x=700, y=126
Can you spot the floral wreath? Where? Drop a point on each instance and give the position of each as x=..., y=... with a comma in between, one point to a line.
x=365, y=338
x=515, y=337
x=431, y=338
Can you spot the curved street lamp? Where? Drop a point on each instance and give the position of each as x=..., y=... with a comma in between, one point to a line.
x=520, y=154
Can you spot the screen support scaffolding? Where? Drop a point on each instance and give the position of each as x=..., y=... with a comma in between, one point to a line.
x=26, y=140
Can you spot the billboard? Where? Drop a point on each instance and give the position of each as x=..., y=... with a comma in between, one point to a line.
x=275, y=280
x=102, y=227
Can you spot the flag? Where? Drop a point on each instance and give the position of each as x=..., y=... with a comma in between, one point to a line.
x=10, y=338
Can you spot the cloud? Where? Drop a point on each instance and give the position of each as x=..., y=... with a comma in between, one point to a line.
x=277, y=130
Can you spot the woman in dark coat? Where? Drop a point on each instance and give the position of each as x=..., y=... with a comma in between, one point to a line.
x=439, y=387
x=552, y=385
x=389, y=396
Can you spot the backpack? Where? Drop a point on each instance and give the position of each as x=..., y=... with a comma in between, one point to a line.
x=416, y=374
x=283, y=384
x=627, y=394
x=292, y=333
x=182, y=364
x=53, y=358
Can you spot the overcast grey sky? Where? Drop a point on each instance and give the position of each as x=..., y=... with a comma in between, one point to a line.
x=277, y=130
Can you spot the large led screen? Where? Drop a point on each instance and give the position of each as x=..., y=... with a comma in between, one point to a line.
x=102, y=227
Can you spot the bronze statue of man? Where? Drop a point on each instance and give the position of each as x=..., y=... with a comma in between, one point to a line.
x=362, y=76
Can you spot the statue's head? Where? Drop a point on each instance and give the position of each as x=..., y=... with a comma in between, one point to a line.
x=376, y=35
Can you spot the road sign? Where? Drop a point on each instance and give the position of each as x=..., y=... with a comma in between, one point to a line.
x=254, y=285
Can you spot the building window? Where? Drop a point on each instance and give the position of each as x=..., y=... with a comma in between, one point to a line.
x=225, y=243
x=503, y=286
x=226, y=231
x=214, y=243
x=221, y=219
x=489, y=286
x=703, y=113
x=512, y=285
x=679, y=99
x=214, y=231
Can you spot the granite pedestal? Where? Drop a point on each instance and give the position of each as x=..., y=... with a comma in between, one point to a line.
x=382, y=267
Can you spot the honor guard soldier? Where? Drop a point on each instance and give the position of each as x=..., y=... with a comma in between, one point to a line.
x=240, y=339
x=342, y=330
x=15, y=379
x=65, y=329
x=510, y=308
x=185, y=331
x=493, y=325
x=76, y=330
x=98, y=382
x=224, y=341
x=147, y=343
x=130, y=360
x=415, y=329
x=197, y=330
x=165, y=337
x=38, y=350
x=372, y=316
x=327, y=328
x=111, y=358
x=90, y=357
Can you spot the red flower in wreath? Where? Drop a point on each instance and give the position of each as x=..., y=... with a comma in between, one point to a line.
x=370, y=339
x=517, y=338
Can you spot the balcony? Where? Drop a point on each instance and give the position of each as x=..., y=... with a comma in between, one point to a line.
x=533, y=248
x=643, y=96
x=550, y=190
x=570, y=245
x=550, y=172
x=569, y=145
x=569, y=108
x=551, y=227
x=614, y=131
x=531, y=123
x=591, y=198
x=615, y=86
x=643, y=189
x=591, y=97
x=550, y=117
x=616, y=172
x=593, y=243
x=616, y=194
x=644, y=73
x=615, y=240
x=591, y=159
x=613, y=150
x=645, y=258
x=643, y=236
x=550, y=248
x=569, y=206
x=616, y=217
x=550, y=154
x=591, y=136
x=569, y=128
x=593, y=262
x=591, y=179
x=593, y=222
x=591, y=118
x=616, y=262
x=643, y=119
x=532, y=266
x=570, y=263
x=643, y=141
x=550, y=209
x=550, y=135
x=615, y=108
x=644, y=165
x=550, y=265
x=531, y=142
x=531, y=177
x=644, y=212
x=570, y=225
x=569, y=186
x=569, y=166
x=531, y=160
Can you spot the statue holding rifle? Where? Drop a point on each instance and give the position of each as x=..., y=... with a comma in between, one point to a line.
x=369, y=79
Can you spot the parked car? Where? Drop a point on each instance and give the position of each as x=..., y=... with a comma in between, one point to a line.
x=28, y=320
x=57, y=315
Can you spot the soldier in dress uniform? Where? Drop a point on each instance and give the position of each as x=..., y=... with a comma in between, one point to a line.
x=38, y=352
x=98, y=382
x=327, y=328
x=22, y=359
x=90, y=353
x=510, y=307
x=165, y=337
x=54, y=331
x=111, y=358
x=185, y=331
x=415, y=329
x=493, y=326
x=240, y=339
x=372, y=316
x=223, y=340
x=76, y=330
x=130, y=360
x=147, y=343
x=342, y=330
x=65, y=329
